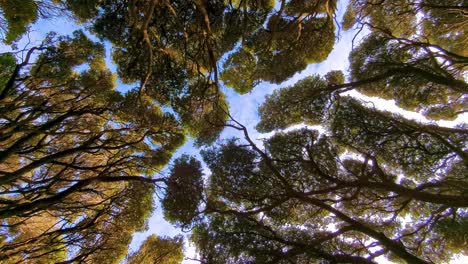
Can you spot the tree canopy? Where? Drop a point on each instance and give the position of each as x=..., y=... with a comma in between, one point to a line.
x=369, y=183
x=158, y=250
x=81, y=161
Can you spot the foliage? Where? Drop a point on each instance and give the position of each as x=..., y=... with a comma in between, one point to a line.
x=300, y=33
x=299, y=200
x=369, y=183
x=78, y=158
x=184, y=191
x=158, y=250
x=17, y=16
x=293, y=105
x=415, y=77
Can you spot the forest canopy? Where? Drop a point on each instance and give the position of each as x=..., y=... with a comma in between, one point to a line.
x=83, y=163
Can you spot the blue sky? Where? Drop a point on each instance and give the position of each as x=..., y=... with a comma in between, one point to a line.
x=242, y=107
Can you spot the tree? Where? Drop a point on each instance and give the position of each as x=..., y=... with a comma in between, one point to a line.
x=442, y=23
x=172, y=48
x=184, y=191
x=370, y=183
x=300, y=201
x=421, y=72
x=17, y=16
x=155, y=250
x=299, y=33
x=429, y=81
x=77, y=158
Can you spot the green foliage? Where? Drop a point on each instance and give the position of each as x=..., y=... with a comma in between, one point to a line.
x=349, y=19
x=312, y=44
x=239, y=72
x=233, y=176
x=82, y=9
x=19, y=14
x=334, y=78
x=158, y=250
x=283, y=48
x=184, y=191
x=404, y=144
x=87, y=152
x=397, y=17
x=444, y=24
x=206, y=122
x=455, y=232
x=370, y=170
x=133, y=208
x=408, y=74
x=7, y=67
x=276, y=204
x=292, y=105
x=78, y=159
x=174, y=70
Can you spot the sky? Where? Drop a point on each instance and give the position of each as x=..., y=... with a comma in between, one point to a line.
x=242, y=107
